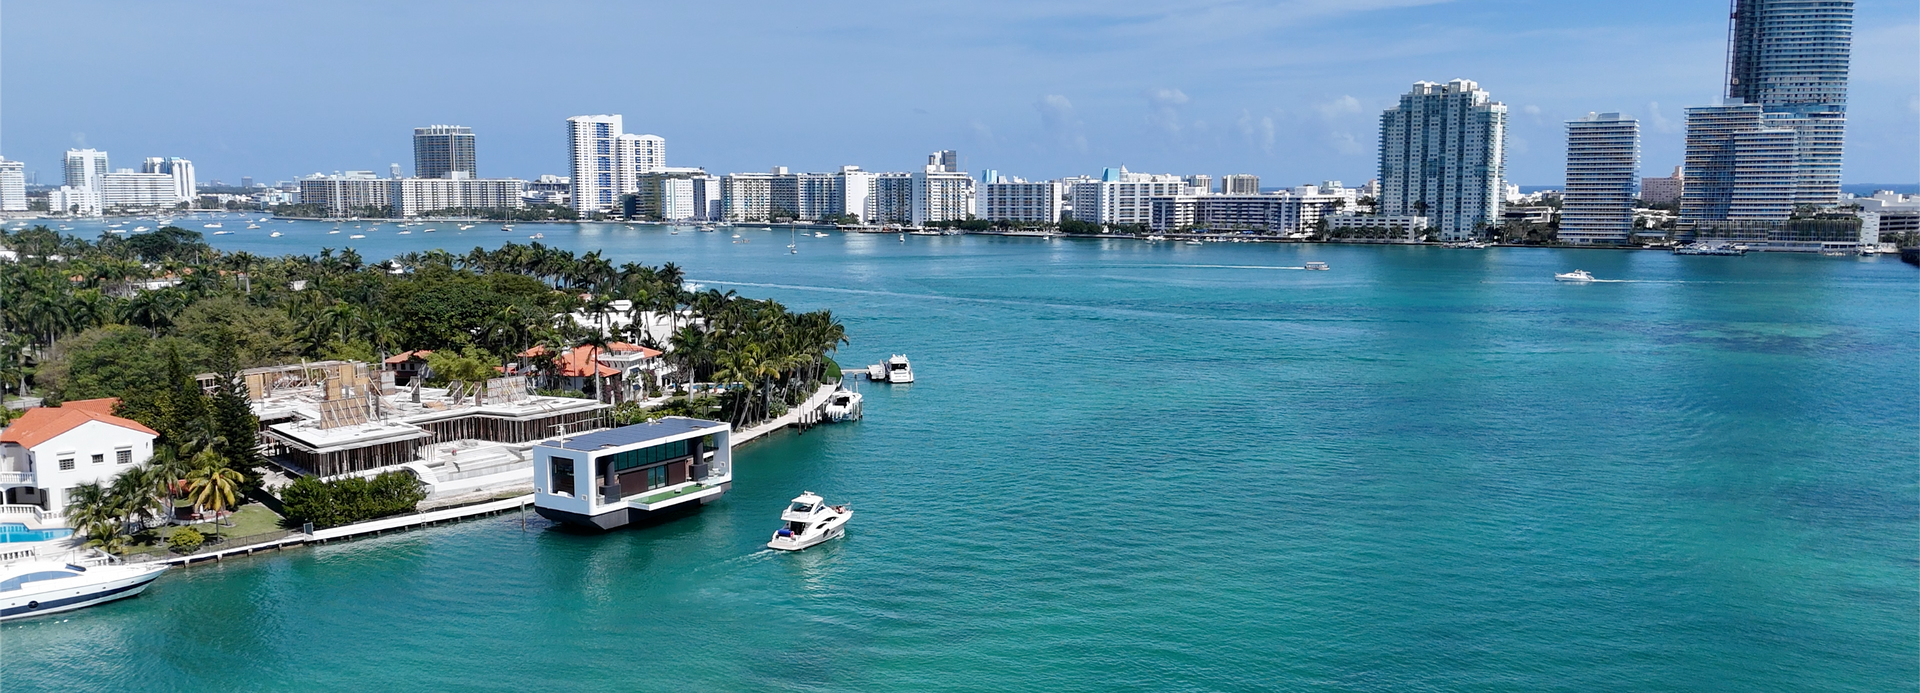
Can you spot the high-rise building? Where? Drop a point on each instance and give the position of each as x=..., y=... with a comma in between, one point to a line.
x=85, y=167
x=1239, y=184
x=185, y=187
x=747, y=196
x=415, y=196
x=944, y=161
x=1737, y=167
x=127, y=189
x=352, y=193
x=1664, y=190
x=13, y=186
x=942, y=194
x=1791, y=58
x=1603, y=157
x=1199, y=184
x=636, y=155
x=441, y=150
x=706, y=198
x=1122, y=197
x=892, y=201
x=591, y=154
x=1443, y=155
x=1013, y=199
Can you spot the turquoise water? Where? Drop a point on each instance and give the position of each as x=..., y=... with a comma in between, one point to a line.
x=1170, y=467
x=12, y=532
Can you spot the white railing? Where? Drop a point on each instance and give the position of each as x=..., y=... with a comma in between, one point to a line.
x=33, y=510
x=16, y=477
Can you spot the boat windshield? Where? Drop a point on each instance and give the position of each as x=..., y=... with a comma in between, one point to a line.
x=899, y=366
x=801, y=507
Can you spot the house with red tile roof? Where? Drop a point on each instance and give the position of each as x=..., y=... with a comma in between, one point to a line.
x=50, y=450
x=622, y=366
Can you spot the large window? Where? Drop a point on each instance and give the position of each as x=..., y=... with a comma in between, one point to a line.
x=634, y=459
x=123, y=456
x=560, y=478
x=66, y=464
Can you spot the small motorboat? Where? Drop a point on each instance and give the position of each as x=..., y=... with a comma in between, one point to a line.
x=1195, y=241
x=1317, y=265
x=819, y=234
x=1574, y=276
x=538, y=235
x=221, y=233
x=877, y=372
x=210, y=226
x=333, y=232
x=275, y=234
x=809, y=521
x=898, y=370
x=403, y=233
x=36, y=588
x=253, y=226
x=138, y=229
x=843, y=405
x=358, y=235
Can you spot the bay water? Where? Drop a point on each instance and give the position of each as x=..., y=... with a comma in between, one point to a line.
x=1135, y=467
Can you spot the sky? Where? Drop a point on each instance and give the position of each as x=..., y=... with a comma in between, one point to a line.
x=1290, y=90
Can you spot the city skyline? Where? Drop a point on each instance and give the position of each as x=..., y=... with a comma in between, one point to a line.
x=1293, y=108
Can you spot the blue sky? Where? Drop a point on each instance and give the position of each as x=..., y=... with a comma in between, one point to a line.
x=1289, y=90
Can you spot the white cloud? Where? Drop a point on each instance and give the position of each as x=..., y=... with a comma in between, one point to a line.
x=1345, y=143
x=1257, y=132
x=1163, y=109
x=1661, y=123
x=1058, y=120
x=1345, y=105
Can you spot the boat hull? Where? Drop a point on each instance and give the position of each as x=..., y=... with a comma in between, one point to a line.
x=28, y=604
x=809, y=542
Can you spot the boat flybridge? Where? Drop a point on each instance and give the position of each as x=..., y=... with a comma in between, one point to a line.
x=844, y=405
x=809, y=521
x=1574, y=276
x=899, y=370
x=36, y=588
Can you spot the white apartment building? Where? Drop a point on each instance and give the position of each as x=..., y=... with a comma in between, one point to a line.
x=706, y=198
x=13, y=186
x=1603, y=157
x=1239, y=184
x=664, y=194
x=84, y=167
x=125, y=189
x=1295, y=210
x=1123, y=198
x=71, y=200
x=1017, y=200
x=892, y=201
x=747, y=196
x=185, y=188
x=942, y=195
x=412, y=197
x=1443, y=155
x=48, y=451
x=855, y=192
x=637, y=155
x=351, y=193
x=592, y=153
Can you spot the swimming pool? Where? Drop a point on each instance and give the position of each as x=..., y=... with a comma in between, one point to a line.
x=14, y=532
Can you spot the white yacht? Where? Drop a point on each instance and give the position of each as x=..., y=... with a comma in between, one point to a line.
x=358, y=235
x=32, y=589
x=843, y=405
x=1317, y=265
x=275, y=234
x=877, y=372
x=214, y=225
x=898, y=370
x=1574, y=276
x=809, y=520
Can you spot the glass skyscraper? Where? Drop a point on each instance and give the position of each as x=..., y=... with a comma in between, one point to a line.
x=1790, y=57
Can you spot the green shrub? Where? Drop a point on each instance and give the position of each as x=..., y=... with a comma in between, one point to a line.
x=187, y=540
x=350, y=500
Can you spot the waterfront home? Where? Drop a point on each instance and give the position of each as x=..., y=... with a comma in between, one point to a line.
x=332, y=418
x=50, y=450
x=624, y=368
x=607, y=479
x=406, y=366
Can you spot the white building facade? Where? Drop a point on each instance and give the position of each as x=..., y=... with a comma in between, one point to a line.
x=1016, y=200
x=49, y=451
x=1443, y=156
x=13, y=186
x=415, y=196
x=591, y=154
x=1603, y=158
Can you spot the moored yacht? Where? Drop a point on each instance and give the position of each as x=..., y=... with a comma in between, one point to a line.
x=611, y=478
x=844, y=405
x=35, y=588
x=809, y=520
x=877, y=372
x=1574, y=276
x=899, y=370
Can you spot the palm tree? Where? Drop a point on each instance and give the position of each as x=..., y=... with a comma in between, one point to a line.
x=212, y=485
x=89, y=504
x=133, y=496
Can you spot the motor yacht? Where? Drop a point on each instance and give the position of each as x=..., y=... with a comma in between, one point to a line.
x=275, y=234
x=809, y=521
x=35, y=588
x=210, y=226
x=898, y=370
x=358, y=235
x=843, y=405
x=877, y=372
x=1317, y=265
x=1574, y=276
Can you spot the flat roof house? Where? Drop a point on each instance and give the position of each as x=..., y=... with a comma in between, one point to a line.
x=611, y=478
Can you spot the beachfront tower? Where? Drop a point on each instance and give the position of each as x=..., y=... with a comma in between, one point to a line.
x=440, y=151
x=611, y=478
x=590, y=150
x=1791, y=58
x=1443, y=155
x=1603, y=157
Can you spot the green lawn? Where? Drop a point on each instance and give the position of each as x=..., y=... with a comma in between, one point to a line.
x=655, y=498
x=250, y=519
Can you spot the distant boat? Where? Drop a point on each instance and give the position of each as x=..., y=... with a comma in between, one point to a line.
x=221, y=233
x=820, y=234
x=1574, y=276
x=1317, y=265
x=403, y=233
x=899, y=371
x=214, y=225
x=253, y=226
x=426, y=231
x=334, y=231
x=1195, y=241
x=275, y=234
x=538, y=235
x=358, y=235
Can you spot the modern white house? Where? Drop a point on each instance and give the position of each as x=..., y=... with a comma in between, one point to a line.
x=50, y=450
x=611, y=478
